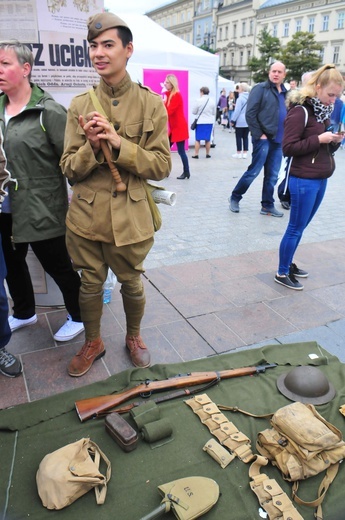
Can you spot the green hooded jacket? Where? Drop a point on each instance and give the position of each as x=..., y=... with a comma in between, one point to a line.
x=33, y=144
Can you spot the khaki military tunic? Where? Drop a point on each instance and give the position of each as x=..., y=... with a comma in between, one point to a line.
x=97, y=212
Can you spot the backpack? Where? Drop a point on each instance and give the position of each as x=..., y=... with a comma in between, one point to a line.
x=283, y=187
x=302, y=444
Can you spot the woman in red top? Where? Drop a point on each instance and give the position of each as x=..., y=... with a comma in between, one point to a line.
x=178, y=127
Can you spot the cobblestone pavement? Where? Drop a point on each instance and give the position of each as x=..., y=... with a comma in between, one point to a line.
x=200, y=225
x=209, y=283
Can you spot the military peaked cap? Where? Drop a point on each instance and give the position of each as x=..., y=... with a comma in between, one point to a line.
x=102, y=22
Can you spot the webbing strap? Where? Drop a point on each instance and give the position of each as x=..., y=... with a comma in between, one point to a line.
x=224, y=430
x=331, y=473
x=101, y=490
x=96, y=102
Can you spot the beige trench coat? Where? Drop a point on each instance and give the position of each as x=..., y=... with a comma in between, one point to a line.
x=97, y=212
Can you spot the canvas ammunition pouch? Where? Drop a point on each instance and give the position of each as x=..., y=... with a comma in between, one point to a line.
x=301, y=444
x=71, y=471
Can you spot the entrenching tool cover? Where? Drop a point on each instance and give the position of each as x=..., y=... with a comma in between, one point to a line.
x=190, y=497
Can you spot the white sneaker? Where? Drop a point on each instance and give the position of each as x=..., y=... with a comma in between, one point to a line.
x=237, y=155
x=69, y=330
x=244, y=155
x=16, y=323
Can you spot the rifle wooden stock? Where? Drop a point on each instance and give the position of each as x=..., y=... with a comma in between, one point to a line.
x=89, y=408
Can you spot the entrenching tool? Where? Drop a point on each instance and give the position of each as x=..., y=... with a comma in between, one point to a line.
x=187, y=498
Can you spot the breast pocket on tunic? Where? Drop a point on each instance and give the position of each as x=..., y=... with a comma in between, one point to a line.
x=82, y=206
x=140, y=131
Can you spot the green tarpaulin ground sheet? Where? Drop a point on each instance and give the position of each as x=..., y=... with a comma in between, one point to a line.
x=28, y=432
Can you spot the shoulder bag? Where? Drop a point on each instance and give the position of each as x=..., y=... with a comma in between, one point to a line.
x=195, y=122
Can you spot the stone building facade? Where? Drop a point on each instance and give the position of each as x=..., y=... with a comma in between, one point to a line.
x=230, y=27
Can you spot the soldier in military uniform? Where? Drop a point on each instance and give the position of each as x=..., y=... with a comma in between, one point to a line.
x=108, y=228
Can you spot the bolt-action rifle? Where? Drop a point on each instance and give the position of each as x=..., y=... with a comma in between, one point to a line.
x=96, y=406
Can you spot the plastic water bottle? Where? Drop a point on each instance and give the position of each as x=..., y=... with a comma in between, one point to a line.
x=108, y=286
x=107, y=296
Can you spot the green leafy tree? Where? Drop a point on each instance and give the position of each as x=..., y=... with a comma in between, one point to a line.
x=301, y=54
x=270, y=50
x=205, y=47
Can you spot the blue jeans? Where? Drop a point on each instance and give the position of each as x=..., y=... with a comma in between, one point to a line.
x=182, y=153
x=306, y=197
x=267, y=155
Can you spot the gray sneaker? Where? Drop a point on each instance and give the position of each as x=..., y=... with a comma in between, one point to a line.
x=271, y=212
x=289, y=281
x=10, y=366
x=234, y=205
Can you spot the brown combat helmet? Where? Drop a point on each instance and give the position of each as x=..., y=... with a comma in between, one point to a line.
x=306, y=384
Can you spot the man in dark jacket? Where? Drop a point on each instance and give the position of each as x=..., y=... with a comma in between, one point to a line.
x=265, y=116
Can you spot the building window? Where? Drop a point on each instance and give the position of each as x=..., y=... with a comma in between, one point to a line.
x=234, y=30
x=249, y=55
x=322, y=54
x=241, y=58
x=198, y=30
x=226, y=32
x=220, y=33
x=224, y=58
x=275, y=30
x=206, y=4
x=325, y=22
x=311, y=24
x=298, y=25
x=251, y=27
x=286, y=28
x=336, y=51
x=340, y=20
x=243, y=28
x=182, y=17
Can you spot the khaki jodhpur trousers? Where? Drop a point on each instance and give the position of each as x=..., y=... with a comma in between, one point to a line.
x=93, y=258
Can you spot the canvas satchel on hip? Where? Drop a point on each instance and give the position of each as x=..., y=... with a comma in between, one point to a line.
x=68, y=473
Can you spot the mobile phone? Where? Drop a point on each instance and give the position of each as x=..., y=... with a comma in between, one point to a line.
x=330, y=128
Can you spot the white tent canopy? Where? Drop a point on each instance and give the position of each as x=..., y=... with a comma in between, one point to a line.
x=228, y=84
x=157, y=48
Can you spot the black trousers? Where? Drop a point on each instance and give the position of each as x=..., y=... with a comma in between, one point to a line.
x=5, y=331
x=54, y=258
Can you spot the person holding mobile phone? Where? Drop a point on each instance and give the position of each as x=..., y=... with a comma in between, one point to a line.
x=312, y=148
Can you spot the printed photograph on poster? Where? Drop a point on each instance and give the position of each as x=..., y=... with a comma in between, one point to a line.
x=66, y=15
x=24, y=13
x=154, y=78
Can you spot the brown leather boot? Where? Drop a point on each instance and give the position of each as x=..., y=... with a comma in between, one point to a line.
x=89, y=352
x=138, y=351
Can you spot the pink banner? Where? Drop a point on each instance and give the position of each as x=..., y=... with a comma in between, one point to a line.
x=154, y=78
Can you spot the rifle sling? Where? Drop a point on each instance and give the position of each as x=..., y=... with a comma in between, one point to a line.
x=173, y=395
